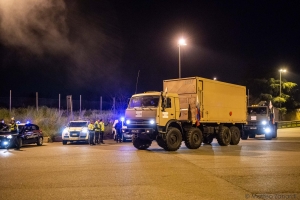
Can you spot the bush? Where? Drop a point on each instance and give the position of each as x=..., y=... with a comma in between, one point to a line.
x=52, y=121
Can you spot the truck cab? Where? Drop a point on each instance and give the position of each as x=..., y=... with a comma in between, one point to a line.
x=261, y=121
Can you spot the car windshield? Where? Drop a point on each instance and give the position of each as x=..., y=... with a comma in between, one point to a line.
x=257, y=110
x=77, y=124
x=144, y=101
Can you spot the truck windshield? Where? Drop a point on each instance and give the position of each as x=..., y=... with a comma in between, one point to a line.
x=77, y=124
x=257, y=110
x=144, y=101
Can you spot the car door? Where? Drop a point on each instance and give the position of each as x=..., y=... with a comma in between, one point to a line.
x=28, y=134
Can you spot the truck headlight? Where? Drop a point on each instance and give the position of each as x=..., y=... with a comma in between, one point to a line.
x=264, y=122
x=267, y=130
x=65, y=131
x=152, y=121
x=85, y=130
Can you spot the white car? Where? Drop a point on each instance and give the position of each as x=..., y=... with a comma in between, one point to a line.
x=76, y=131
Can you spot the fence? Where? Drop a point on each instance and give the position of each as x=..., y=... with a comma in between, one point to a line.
x=18, y=102
x=288, y=124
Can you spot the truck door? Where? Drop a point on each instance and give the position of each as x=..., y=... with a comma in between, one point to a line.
x=169, y=111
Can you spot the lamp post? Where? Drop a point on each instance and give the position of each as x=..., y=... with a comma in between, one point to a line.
x=181, y=42
x=280, y=71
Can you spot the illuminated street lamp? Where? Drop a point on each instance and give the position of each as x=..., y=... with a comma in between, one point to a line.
x=181, y=42
x=280, y=71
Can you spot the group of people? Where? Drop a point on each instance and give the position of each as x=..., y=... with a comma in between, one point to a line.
x=11, y=127
x=96, y=131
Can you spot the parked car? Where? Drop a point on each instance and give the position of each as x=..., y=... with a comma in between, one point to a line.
x=27, y=134
x=30, y=134
x=76, y=131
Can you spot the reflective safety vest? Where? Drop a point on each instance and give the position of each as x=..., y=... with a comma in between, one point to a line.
x=13, y=127
x=97, y=126
x=91, y=127
x=101, y=126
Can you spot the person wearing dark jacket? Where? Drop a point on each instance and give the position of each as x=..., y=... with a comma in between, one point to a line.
x=3, y=126
x=118, y=128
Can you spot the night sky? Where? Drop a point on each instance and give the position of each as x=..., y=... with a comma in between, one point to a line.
x=97, y=47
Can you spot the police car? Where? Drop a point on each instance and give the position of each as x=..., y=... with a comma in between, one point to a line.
x=27, y=133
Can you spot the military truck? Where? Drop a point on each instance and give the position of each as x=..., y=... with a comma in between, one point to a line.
x=261, y=120
x=193, y=110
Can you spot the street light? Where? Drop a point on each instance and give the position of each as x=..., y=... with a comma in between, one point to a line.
x=181, y=42
x=280, y=71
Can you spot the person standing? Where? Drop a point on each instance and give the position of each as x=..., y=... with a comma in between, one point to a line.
x=97, y=131
x=101, y=123
x=91, y=132
x=118, y=127
x=3, y=126
x=114, y=131
x=13, y=126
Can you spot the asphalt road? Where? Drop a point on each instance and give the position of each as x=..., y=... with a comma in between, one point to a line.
x=254, y=169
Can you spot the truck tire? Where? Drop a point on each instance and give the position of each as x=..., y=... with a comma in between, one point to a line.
x=160, y=141
x=173, y=139
x=224, y=136
x=252, y=135
x=245, y=135
x=208, y=139
x=235, y=135
x=193, y=138
x=141, y=144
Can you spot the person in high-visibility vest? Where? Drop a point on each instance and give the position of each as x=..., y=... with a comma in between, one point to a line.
x=101, y=123
x=91, y=132
x=97, y=131
x=13, y=126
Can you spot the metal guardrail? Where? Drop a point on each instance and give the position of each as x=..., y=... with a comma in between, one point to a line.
x=288, y=124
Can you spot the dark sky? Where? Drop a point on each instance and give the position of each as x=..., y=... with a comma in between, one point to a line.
x=97, y=47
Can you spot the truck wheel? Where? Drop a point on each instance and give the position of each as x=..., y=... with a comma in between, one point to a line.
x=39, y=141
x=173, y=139
x=245, y=135
x=224, y=136
x=64, y=142
x=251, y=135
x=141, y=144
x=208, y=139
x=235, y=135
x=193, y=138
x=160, y=141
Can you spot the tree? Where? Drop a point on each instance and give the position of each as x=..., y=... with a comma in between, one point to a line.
x=269, y=90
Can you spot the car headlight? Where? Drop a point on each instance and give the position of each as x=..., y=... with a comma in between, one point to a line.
x=85, y=130
x=264, y=122
x=127, y=121
x=65, y=131
x=152, y=121
x=9, y=137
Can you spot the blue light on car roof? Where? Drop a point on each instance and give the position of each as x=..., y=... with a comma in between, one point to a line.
x=18, y=122
x=28, y=122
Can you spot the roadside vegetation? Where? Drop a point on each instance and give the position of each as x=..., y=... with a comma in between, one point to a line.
x=52, y=121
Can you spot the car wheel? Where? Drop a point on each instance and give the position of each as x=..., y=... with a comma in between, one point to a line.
x=39, y=141
x=245, y=135
x=64, y=142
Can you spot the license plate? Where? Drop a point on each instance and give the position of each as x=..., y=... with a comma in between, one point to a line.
x=74, y=134
x=135, y=131
x=252, y=127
